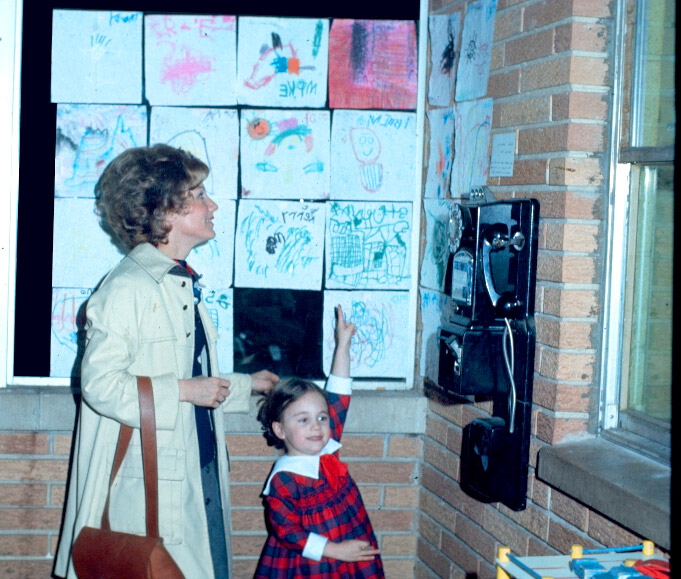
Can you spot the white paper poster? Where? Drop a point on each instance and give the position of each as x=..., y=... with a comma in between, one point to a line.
x=214, y=260
x=190, y=60
x=368, y=245
x=68, y=330
x=472, y=127
x=372, y=155
x=441, y=152
x=445, y=35
x=96, y=56
x=380, y=342
x=210, y=134
x=436, y=251
x=82, y=253
x=434, y=310
x=88, y=138
x=285, y=154
x=279, y=244
x=472, y=74
x=283, y=62
x=220, y=306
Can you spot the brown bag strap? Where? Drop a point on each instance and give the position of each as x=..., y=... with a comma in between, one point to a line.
x=149, y=456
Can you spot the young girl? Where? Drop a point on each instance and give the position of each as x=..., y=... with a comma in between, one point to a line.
x=317, y=522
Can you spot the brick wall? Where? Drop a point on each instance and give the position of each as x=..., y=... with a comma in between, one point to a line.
x=386, y=466
x=550, y=81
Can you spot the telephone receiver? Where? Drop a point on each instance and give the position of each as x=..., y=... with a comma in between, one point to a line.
x=494, y=239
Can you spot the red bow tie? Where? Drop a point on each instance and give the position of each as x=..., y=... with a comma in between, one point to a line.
x=333, y=469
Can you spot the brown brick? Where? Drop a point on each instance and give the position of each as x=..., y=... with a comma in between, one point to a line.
x=533, y=519
x=582, y=36
x=433, y=558
x=461, y=554
x=30, y=518
x=592, y=8
x=576, y=171
x=527, y=172
x=441, y=459
x=569, y=236
x=609, y=533
x=248, y=545
x=57, y=495
x=551, y=73
x=364, y=446
x=244, y=567
x=539, y=493
x=553, y=266
x=561, y=397
x=382, y=472
x=24, y=443
x=503, y=84
x=33, y=470
x=565, y=366
x=454, y=437
x=505, y=530
x=440, y=512
x=562, y=536
x=405, y=446
x=248, y=520
x=570, y=510
x=61, y=444
x=556, y=430
x=429, y=529
x=544, y=13
x=249, y=445
x=436, y=429
x=477, y=539
x=23, y=495
x=451, y=412
x=391, y=519
x=570, y=303
x=40, y=569
x=250, y=470
x=246, y=495
x=398, y=545
x=399, y=569
x=528, y=47
x=589, y=71
x=401, y=496
x=371, y=495
x=507, y=24
x=23, y=545
x=528, y=111
x=569, y=335
x=580, y=105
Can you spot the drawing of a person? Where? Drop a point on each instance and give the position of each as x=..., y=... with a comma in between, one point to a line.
x=367, y=149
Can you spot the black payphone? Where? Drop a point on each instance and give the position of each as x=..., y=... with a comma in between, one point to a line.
x=487, y=345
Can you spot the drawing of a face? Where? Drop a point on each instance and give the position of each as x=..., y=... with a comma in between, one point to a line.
x=365, y=144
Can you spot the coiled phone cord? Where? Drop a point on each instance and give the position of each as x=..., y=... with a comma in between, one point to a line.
x=510, y=366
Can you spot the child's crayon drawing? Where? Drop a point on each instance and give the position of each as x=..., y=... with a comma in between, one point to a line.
x=435, y=308
x=68, y=327
x=283, y=62
x=190, y=60
x=285, y=154
x=372, y=155
x=372, y=64
x=436, y=251
x=210, y=134
x=472, y=127
x=441, y=152
x=88, y=138
x=445, y=35
x=380, y=341
x=220, y=306
x=279, y=244
x=368, y=245
x=96, y=56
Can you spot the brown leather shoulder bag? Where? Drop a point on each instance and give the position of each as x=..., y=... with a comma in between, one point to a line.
x=103, y=553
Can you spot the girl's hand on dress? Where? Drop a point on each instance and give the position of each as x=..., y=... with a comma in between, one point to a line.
x=263, y=381
x=350, y=551
x=204, y=391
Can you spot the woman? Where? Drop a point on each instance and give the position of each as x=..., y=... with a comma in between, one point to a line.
x=147, y=319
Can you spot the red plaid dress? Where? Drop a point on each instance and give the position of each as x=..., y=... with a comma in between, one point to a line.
x=298, y=505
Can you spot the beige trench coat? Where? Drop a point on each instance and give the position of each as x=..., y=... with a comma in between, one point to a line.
x=141, y=322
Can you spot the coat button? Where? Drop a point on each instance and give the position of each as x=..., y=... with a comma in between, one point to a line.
x=208, y=501
x=189, y=334
x=184, y=307
x=184, y=284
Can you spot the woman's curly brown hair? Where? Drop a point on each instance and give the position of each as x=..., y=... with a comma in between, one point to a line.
x=140, y=187
x=273, y=404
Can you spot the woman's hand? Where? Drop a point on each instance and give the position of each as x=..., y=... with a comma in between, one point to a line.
x=350, y=551
x=263, y=381
x=204, y=391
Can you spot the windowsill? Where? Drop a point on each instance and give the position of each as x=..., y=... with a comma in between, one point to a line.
x=630, y=489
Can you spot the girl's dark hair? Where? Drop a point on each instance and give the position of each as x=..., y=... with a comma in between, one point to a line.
x=140, y=187
x=273, y=404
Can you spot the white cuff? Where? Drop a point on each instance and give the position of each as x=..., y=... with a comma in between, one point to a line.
x=339, y=385
x=314, y=548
